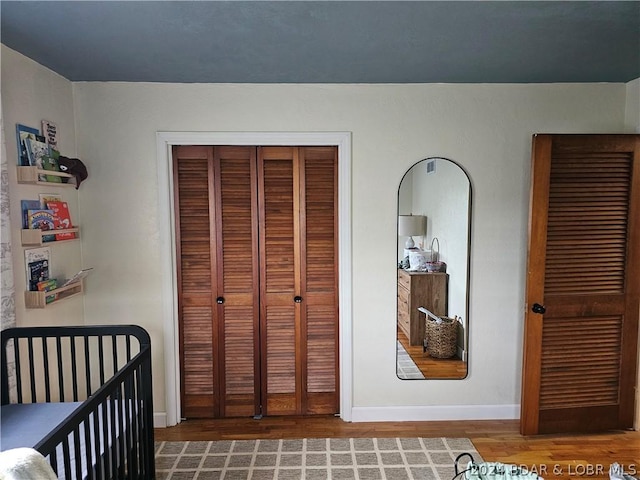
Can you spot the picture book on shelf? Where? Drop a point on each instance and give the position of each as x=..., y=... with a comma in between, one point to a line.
x=37, y=151
x=48, y=197
x=22, y=133
x=50, y=162
x=44, y=198
x=25, y=206
x=61, y=219
x=37, y=266
x=47, y=286
x=50, y=132
x=41, y=219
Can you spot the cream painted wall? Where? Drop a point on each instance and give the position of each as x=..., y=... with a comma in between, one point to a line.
x=31, y=93
x=632, y=111
x=486, y=128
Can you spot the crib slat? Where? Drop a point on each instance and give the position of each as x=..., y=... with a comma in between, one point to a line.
x=101, y=357
x=121, y=432
x=47, y=379
x=74, y=368
x=105, y=440
x=112, y=433
x=53, y=461
x=96, y=445
x=87, y=365
x=88, y=438
x=66, y=458
x=31, y=369
x=76, y=452
x=128, y=343
x=144, y=460
x=114, y=352
x=60, y=370
x=128, y=433
x=16, y=349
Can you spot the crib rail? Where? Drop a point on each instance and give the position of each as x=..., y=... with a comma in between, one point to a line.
x=65, y=363
x=110, y=434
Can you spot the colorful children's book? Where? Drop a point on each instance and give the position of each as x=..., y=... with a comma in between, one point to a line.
x=41, y=219
x=48, y=197
x=37, y=151
x=61, y=219
x=44, y=198
x=37, y=266
x=25, y=206
x=47, y=286
x=50, y=162
x=22, y=133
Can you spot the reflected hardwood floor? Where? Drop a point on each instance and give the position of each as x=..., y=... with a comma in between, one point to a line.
x=551, y=456
x=433, y=367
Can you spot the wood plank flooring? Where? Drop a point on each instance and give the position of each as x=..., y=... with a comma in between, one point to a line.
x=433, y=367
x=551, y=456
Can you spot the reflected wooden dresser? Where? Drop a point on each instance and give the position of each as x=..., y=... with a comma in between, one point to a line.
x=419, y=289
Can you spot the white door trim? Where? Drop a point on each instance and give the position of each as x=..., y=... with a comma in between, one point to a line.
x=164, y=142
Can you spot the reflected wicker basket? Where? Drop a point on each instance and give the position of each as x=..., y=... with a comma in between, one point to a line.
x=436, y=267
x=441, y=337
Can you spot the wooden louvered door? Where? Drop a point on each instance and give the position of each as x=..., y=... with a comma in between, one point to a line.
x=256, y=230
x=298, y=279
x=217, y=262
x=583, y=284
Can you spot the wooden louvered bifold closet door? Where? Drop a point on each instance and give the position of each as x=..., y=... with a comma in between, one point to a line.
x=216, y=225
x=298, y=208
x=584, y=273
x=257, y=273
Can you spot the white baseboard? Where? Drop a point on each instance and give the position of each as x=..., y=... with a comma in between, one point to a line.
x=413, y=413
x=435, y=413
x=159, y=420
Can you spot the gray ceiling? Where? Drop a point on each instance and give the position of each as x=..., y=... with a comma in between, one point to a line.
x=329, y=41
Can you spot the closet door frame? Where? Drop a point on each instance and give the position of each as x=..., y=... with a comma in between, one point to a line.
x=164, y=142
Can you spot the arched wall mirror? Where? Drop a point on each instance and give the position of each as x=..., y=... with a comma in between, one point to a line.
x=434, y=237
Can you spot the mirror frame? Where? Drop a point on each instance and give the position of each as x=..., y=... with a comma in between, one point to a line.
x=467, y=322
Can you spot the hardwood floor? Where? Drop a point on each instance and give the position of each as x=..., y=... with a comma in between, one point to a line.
x=551, y=456
x=433, y=367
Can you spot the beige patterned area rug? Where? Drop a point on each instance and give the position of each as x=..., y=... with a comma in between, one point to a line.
x=313, y=459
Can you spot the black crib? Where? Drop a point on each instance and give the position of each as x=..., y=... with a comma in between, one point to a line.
x=82, y=396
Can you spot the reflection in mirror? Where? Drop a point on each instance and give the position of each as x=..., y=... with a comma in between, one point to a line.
x=434, y=233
